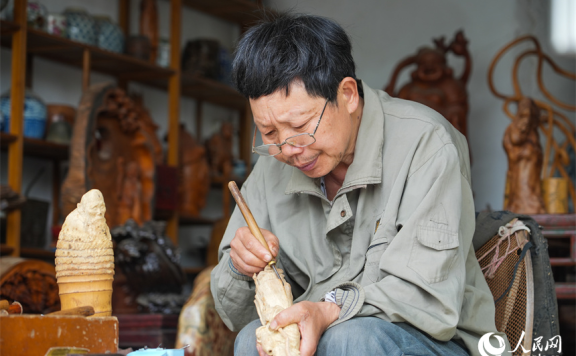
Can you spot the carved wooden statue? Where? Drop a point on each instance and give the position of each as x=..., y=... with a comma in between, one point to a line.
x=149, y=25
x=272, y=296
x=194, y=175
x=220, y=151
x=522, y=145
x=84, y=257
x=114, y=149
x=433, y=83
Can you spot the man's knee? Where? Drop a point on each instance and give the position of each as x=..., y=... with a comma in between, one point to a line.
x=245, y=344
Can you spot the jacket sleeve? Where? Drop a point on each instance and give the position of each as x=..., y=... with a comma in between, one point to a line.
x=234, y=292
x=421, y=272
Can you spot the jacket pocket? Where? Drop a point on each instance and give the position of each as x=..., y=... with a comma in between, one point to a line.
x=373, y=256
x=433, y=253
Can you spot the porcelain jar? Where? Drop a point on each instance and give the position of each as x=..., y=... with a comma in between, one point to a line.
x=57, y=25
x=81, y=26
x=34, y=114
x=110, y=36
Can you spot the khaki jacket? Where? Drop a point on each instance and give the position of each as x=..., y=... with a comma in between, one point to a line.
x=396, y=241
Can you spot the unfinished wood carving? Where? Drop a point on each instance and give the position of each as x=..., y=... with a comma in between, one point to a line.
x=273, y=296
x=84, y=257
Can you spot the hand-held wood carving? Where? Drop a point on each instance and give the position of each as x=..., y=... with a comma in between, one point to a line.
x=84, y=257
x=522, y=145
x=273, y=296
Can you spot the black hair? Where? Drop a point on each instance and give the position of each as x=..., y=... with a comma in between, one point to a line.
x=288, y=47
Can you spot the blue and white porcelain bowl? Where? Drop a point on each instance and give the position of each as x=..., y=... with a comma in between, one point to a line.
x=35, y=114
x=110, y=35
x=81, y=26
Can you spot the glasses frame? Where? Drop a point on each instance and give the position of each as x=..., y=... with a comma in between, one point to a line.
x=279, y=145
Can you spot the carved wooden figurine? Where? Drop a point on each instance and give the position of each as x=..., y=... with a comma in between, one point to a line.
x=522, y=145
x=194, y=175
x=84, y=257
x=220, y=151
x=272, y=296
x=149, y=25
x=433, y=83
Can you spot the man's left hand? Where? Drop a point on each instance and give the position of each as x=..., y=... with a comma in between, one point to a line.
x=312, y=319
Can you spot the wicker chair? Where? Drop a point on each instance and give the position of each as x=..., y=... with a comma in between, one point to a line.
x=507, y=267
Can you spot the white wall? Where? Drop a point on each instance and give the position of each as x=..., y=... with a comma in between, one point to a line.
x=56, y=83
x=385, y=31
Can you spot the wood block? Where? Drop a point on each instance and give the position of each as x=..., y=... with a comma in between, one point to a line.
x=35, y=334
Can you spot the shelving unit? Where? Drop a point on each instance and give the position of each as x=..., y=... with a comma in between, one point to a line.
x=25, y=42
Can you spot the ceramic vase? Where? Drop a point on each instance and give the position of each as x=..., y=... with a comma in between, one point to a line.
x=163, y=58
x=81, y=26
x=34, y=114
x=37, y=15
x=57, y=25
x=110, y=35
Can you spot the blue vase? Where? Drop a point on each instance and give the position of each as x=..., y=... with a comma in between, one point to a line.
x=110, y=35
x=35, y=114
x=81, y=26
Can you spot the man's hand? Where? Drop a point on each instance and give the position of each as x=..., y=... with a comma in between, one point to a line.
x=247, y=253
x=312, y=319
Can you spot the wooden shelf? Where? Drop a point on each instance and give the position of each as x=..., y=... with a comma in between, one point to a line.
x=38, y=148
x=5, y=250
x=65, y=51
x=243, y=12
x=8, y=27
x=192, y=220
x=193, y=270
x=37, y=253
x=6, y=139
x=212, y=91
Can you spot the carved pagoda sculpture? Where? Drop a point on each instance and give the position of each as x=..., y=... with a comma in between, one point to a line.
x=433, y=83
x=558, y=130
x=272, y=296
x=84, y=257
x=114, y=149
x=522, y=145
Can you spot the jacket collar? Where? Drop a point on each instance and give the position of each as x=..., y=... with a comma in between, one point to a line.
x=366, y=168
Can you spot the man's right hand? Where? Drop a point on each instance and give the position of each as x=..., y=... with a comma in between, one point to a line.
x=247, y=253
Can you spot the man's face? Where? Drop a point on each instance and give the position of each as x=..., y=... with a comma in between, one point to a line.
x=278, y=117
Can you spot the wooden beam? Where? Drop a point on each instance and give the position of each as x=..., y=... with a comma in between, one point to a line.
x=174, y=102
x=86, y=69
x=15, y=149
x=124, y=16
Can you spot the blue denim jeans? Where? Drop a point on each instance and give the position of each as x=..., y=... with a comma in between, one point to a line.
x=363, y=336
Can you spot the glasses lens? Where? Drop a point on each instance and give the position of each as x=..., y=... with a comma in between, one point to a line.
x=301, y=140
x=267, y=150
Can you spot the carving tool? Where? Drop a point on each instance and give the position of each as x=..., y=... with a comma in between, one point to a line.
x=251, y=222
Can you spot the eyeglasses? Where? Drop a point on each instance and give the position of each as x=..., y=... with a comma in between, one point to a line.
x=300, y=140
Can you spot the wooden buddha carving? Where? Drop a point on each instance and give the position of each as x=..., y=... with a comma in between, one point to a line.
x=433, y=83
x=522, y=145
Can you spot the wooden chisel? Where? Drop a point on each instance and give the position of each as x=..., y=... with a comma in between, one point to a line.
x=252, y=225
